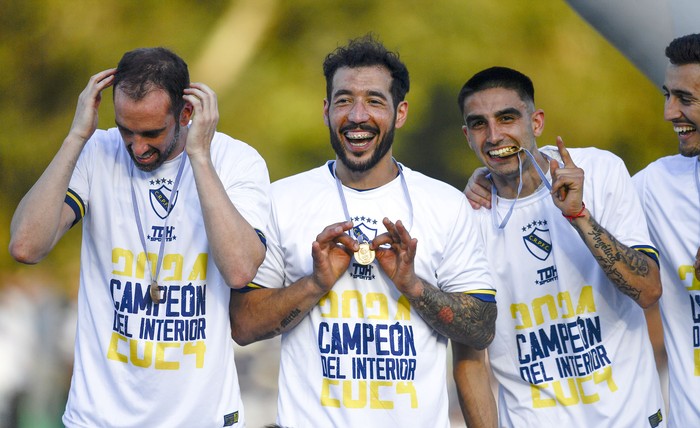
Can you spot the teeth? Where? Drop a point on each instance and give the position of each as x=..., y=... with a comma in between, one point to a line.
x=505, y=151
x=683, y=129
x=359, y=135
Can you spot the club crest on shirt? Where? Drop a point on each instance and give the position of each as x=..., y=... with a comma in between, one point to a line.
x=161, y=196
x=537, y=239
x=363, y=231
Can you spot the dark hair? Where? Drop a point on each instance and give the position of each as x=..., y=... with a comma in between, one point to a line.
x=684, y=50
x=366, y=51
x=498, y=77
x=140, y=71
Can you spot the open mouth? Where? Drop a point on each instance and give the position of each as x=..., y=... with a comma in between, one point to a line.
x=505, y=151
x=359, y=137
x=684, y=130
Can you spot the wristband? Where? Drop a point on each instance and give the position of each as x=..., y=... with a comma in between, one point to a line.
x=575, y=216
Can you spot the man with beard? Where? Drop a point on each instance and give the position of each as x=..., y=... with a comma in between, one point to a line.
x=167, y=205
x=393, y=271
x=669, y=189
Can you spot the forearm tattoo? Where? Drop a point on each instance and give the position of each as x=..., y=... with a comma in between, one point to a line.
x=619, y=262
x=287, y=323
x=458, y=316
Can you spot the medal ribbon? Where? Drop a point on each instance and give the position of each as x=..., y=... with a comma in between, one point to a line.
x=341, y=194
x=494, y=214
x=154, y=284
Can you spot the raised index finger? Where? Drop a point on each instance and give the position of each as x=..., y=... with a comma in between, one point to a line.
x=564, y=153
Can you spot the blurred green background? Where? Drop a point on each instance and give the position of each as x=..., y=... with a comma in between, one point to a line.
x=263, y=58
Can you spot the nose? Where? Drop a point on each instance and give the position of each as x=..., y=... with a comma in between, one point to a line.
x=671, y=109
x=138, y=145
x=494, y=133
x=358, y=113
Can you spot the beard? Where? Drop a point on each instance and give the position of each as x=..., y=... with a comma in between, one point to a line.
x=689, y=150
x=161, y=156
x=380, y=150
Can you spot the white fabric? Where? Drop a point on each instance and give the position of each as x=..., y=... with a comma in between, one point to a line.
x=184, y=373
x=405, y=382
x=669, y=196
x=556, y=306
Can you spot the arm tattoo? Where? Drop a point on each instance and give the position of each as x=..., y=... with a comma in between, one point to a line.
x=458, y=316
x=619, y=262
x=284, y=324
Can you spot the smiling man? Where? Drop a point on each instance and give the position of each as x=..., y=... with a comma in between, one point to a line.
x=568, y=253
x=669, y=189
x=371, y=267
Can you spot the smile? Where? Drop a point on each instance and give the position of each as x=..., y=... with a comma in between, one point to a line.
x=504, y=152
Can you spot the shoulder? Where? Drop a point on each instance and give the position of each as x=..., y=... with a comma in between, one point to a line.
x=225, y=145
x=431, y=188
x=305, y=182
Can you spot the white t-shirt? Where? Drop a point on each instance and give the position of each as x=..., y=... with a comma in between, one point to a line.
x=570, y=349
x=363, y=357
x=139, y=364
x=670, y=195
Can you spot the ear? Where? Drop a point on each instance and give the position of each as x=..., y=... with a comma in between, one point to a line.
x=538, y=122
x=401, y=114
x=186, y=114
x=326, y=106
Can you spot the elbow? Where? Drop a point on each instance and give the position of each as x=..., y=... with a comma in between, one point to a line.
x=24, y=253
x=651, y=296
x=239, y=278
x=240, y=338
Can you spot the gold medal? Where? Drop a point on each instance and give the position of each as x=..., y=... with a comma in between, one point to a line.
x=364, y=255
x=155, y=292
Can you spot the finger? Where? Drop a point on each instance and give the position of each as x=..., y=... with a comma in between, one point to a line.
x=333, y=231
x=697, y=265
x=558, y=187
x=564, y=153
x=103, y=79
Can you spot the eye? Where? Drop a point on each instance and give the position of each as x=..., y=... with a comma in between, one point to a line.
x=151, y=134
x=476, y=124
x=507, y=118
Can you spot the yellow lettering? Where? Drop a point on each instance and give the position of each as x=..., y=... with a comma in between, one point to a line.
x=161, y=363
x=566, y=304
x=124, y=259
x=352, y=298
x=561, y=394
x=173, y=262
x=605, y=375
x=112, y=352
x=537, y=401
x=548, y=302
x=199, y=348
x=688, y=272
x=147, y=353
x=332, y=300
x=326, y=399
x=696, y=354
x=525, y=320
x=199, y=269
x=403, y=311
x=585, y=301
x=377, y=301
x=375, y=402
x=349, y=401
x=410, y=389
x=587, y=399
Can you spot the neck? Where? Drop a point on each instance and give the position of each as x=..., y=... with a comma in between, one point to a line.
x=507, y=186
x=382, y=173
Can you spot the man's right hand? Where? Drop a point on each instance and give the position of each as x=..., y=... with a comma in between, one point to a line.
x=332, y=252
x=86, y=116
x=478, y=190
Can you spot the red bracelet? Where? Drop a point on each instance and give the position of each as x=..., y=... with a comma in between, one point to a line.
x=579, y=215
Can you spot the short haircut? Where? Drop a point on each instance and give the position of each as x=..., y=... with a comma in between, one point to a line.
x=366, y=52
x=498, y=77
x=143, y=70
x=684, y=50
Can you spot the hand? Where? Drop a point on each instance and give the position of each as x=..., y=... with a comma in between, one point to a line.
x=478, y=190
x=397, y=260
x=86, y=113
x=567, y=183
x=697, y=265
x=332, y=251
x=205, y=117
